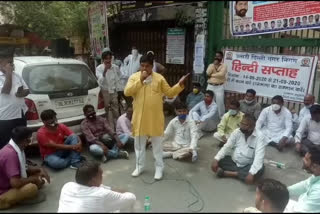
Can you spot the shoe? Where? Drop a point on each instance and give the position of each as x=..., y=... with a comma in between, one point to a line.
x=76, y=165
x=158, y=175
x=123, y=155
x=104, y=159
x=137, y=172
x=220, y=173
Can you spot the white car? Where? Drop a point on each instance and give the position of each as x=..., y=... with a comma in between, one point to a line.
x=64, y=85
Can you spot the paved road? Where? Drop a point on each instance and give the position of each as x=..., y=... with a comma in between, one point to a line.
x=174, y=193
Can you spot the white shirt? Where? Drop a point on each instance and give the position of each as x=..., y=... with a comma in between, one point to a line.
x=275, y=126
x=79, y=198
x=111, y=82
x=245, y=152
x=132, y=65
x=204, y=111
x=304, y=112
x=183, y=134
x=312, y=128
x=10, y=105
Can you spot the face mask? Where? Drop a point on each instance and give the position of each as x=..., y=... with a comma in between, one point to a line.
x=276, y=107
x=134, y=52
x=148, y=80
x=208, y=102
x=92, y=115
x=248, y=101
x=244, y=131
x=182, y=117
x=195, y=91
x=54, y=124
x=308, y=106
x=233, y=112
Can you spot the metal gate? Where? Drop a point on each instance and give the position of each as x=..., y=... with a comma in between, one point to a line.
x=152, y=36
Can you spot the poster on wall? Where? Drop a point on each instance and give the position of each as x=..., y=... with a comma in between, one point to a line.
x=98, y=27
x=270, y=75
x=263, y=17
x=175, y=46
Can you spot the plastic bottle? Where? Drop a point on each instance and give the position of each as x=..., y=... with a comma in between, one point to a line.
x=147, y=204
x=275, y=164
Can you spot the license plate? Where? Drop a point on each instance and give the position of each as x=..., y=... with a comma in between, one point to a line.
x=69, y=102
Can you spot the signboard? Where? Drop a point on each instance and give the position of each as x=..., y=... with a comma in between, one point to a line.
x=262, y=17
x=130, y=5
x=270, y=75
x=98, y=27
x=13, y=41
x=175, y=46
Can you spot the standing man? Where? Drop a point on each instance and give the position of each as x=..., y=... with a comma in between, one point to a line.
x=132, y=62
x=216, y=78
x=13, y=89
x=109, y=75
x=147, y=89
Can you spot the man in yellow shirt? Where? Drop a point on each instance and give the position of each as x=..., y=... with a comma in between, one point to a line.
x=216, y=78
x=147, y=89
x=229, y=122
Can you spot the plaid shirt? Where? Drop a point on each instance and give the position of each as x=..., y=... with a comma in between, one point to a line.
x=92, y=130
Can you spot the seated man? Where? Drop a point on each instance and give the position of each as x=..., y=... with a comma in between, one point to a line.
x=249, y=105
x=311, y=126
x=59, y=146
x=88, y=194
x=124, y=130
x=104, y=142
x=275, y=122
x=272, y=196
x=19, y=184
x=183, y=135
x=229, y=122
x=247, y=147
x=205, y=113
x=304, y=112
x=308, y=190
x=195, y=97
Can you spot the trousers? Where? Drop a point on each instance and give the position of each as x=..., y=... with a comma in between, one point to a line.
x=219, y=97
x=63, y=158
x=111, y=102
x=14, y=196
x=140, y=150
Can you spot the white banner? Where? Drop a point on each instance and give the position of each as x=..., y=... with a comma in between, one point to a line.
x=270, y=75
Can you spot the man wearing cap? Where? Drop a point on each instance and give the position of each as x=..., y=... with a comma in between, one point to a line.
x=109, y=75
x=195, y=97
x=13, y=89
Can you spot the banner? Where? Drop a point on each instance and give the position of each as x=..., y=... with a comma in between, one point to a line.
x=98, y=27
x=262, y=17
x=175, y=46
x=270, y=75
x=131, y=5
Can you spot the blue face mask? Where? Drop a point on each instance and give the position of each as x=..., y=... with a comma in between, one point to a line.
x=182, y=117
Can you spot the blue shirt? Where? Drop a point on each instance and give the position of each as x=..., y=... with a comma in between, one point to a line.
x=194, y=99
x=309, y=194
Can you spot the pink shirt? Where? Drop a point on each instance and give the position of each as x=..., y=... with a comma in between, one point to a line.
x=123, y=125
x=9, y=167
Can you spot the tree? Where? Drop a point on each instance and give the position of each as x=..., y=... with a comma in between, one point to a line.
x=49, y=19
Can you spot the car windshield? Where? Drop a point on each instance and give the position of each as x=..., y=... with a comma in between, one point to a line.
x=58, y=78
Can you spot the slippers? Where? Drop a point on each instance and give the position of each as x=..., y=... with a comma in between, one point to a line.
x=220, y=173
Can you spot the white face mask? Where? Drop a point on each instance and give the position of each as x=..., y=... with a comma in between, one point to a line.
x=248, y=101
x=233, y=112
x=308, y=106
x=148, y=80
x=134, y=52
x=276, y=107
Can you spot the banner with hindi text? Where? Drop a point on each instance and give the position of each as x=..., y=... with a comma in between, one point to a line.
x=270, y=75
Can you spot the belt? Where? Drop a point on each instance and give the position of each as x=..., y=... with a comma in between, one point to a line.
x=216, y=84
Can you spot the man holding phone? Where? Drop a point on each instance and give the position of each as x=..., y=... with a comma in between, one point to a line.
x=13, y=89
